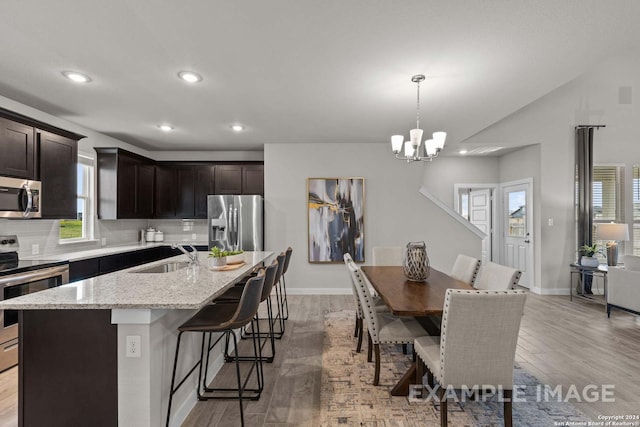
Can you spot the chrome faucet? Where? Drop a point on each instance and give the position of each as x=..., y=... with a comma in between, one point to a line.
x=193, y=256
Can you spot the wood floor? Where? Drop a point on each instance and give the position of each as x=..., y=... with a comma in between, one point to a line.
x=561, y=343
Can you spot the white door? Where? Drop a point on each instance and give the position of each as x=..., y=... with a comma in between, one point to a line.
x=517, y=223
x=480, y=216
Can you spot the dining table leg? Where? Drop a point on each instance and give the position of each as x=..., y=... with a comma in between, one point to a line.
x=402, y=386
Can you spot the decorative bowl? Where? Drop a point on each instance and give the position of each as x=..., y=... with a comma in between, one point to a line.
x=217, y=261
x=235, y=259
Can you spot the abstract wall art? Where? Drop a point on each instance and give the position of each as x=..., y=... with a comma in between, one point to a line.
x=336, y=219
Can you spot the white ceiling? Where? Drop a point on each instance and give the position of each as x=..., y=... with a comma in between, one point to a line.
x=299, y=70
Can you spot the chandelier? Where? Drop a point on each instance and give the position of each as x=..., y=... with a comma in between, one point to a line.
x=413, y=149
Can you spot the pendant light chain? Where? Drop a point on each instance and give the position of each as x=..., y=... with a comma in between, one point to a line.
x=418, y=107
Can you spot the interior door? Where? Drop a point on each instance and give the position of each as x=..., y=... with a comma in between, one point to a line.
x=517, y=230
x=480, y=216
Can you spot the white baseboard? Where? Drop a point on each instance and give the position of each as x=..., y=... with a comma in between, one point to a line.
x=552, y=291
x=319, y=291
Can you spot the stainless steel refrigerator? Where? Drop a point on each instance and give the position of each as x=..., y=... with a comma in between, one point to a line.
x=235, y=222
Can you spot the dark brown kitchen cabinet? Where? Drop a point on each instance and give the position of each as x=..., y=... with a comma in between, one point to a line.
x=182, y=190
x=58, y=172
x=185, y=186
x=228, y=179
x=125, y=184
x=204, y=185
x=165, y=197
x=145, y=182
x=17, y=150
x=253, y=179
x=239, y=179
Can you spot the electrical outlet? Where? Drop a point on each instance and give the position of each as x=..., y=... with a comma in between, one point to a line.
x=35, y=249
x=103, y=241
x=550, y=222
x=133, y=345
x=194, y=236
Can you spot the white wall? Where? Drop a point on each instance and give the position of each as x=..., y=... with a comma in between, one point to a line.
x=590, y=99
x=395, y=213
x=441, y=174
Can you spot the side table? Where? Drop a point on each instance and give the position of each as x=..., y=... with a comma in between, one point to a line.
x=583, y=272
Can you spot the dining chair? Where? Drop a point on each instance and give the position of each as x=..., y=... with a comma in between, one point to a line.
x=477, y=346
x=387, y=255
x=496, y=277
x=383, y=328
x=380, y=306
x=465, y=269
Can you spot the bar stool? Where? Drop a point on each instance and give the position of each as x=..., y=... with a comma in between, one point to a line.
x=283, y=291
x=280, y=298
x=234, y=294
x=224, y=319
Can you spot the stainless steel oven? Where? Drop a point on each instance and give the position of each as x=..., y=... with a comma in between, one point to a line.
x=20, y=198
x=15, y=285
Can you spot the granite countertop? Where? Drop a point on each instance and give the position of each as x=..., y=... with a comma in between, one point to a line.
x=107, y=250
x=186, y=288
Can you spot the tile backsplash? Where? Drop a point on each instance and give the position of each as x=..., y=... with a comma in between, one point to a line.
x=44, y=234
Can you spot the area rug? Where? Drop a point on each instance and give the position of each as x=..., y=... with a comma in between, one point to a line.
x=348, y=397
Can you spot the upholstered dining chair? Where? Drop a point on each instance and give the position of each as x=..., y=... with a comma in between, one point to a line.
x=465, y=269
x=483, y=322
x=383, y=328
x=496, y=277
x=387, y=255
x=380, y=306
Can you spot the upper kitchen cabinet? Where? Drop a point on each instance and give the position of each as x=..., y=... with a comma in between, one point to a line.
x=58, y=172
x=204, y=185
x=17, y=150
x=165, y=197
x=253, y=179
x=228, y=179
x=182, y=189
x=245, y=178
x=125, y=184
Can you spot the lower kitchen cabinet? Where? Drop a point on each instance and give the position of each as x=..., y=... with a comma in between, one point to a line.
x=68, y=368
x=84, y=269
x=92, y=267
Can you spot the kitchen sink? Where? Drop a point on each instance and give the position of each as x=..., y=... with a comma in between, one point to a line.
x=167, y=267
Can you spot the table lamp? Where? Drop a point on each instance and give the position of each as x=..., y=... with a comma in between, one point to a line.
x=613, y=233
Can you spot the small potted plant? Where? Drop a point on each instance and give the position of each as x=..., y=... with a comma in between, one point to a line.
x=217, y=257
x=588, y=258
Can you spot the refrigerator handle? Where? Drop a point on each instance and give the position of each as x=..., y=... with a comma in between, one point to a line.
x=237, y=237
x=230, y=222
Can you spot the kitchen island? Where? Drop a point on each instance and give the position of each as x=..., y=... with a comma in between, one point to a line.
x=100, y=351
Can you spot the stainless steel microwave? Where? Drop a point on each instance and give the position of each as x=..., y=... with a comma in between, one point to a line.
x=20, y=198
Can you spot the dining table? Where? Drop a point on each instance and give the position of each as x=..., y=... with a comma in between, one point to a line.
x=423, y=300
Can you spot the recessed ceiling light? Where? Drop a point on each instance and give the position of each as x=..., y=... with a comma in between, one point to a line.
x=190, y=76
x=165, y=127
x=237, y=127
x=76, y=77
x=463, y=151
